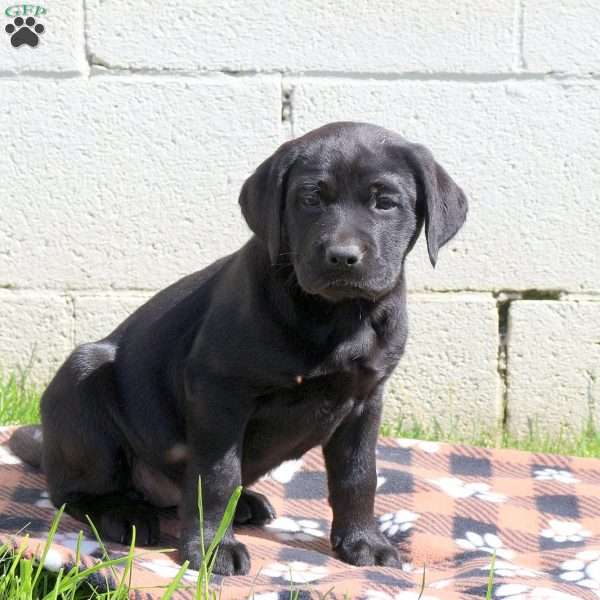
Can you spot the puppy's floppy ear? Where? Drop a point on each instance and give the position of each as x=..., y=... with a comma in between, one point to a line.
x=444, y=203
x=262, y=197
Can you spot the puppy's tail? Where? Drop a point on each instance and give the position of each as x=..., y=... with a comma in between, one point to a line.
x=26, y=443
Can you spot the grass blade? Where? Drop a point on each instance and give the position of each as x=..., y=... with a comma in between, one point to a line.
x=490, y=585
x=174, y=585
x=422, y=583
x=51, y=534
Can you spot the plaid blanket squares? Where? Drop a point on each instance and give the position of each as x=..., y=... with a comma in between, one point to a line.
x=449, y=508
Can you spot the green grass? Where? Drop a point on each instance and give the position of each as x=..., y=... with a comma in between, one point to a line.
x=24, y=578
x=584, y=443
x=19, y=400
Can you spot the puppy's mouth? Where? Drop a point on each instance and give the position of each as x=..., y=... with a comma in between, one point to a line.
x=347, y=289
x=369, y=284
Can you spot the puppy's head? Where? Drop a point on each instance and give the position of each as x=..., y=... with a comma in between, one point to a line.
x=345, y=203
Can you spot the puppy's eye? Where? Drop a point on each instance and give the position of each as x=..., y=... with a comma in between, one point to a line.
x=310, y=198
x=383, y=203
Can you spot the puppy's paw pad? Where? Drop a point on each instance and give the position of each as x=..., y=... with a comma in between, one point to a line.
x=232, y=557
x=254, y=509
x=386, y=556
x=117, y=525
x=366, y=549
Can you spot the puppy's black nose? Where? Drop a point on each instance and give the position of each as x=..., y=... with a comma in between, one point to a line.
x=343, y=256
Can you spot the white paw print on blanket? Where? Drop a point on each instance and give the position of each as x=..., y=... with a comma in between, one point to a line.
x=488, y=542
x=168, y=569
x=507, y=569
x=69, y=540
x=429, y=447
x=554, y=475
x=44, y=501
x=457, y=488
x=303, y=530
x=7, y=457
x=285, y=472
x=584, y=570
x=565, y=531
x=55, y=560
x=399, y=521
x=295, y=571
x=405, y=595
x=517, y=591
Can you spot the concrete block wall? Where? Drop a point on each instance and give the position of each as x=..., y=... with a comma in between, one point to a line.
x=129, y=129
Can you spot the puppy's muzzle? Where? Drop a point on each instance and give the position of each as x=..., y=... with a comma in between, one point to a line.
x=343, y=256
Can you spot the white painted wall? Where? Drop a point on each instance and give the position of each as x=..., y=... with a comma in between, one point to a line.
x=128, y=131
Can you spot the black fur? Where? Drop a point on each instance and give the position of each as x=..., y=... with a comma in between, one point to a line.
x=282, y=346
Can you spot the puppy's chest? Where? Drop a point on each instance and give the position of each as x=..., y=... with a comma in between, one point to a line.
x=337, y=380
x=309, y=402
x=314, y=404
x=354, y=382
x=292, y=420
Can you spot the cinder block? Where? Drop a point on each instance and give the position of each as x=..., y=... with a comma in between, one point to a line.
x=257, y=35
x=553, y=366
x=449, y=373
x=128, y=182
x=527, y=153
x=60, y=47
x=36, y=332
x=562, y=36
x=96, y=315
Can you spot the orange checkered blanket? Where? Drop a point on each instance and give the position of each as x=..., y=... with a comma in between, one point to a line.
x=449, y=508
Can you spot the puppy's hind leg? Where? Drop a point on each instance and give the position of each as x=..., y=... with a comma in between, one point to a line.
x=84, y=457
x=26, y=443
x=115, y=516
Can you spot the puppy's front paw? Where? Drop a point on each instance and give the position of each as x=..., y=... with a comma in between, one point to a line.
x=364, y=547
x=253, y=509
x=232, y=557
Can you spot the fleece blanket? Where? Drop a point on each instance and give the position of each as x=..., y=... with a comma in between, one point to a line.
x=448, y=508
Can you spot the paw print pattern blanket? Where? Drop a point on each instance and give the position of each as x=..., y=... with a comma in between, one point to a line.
x=448, y=508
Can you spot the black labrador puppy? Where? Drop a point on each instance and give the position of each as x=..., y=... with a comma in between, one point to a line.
x=284, y=345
